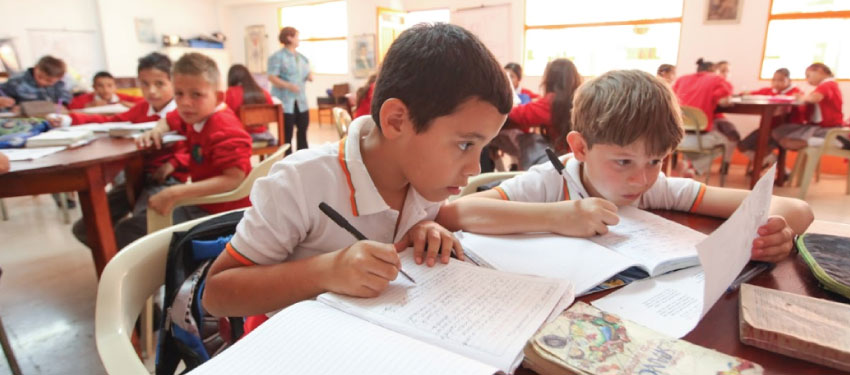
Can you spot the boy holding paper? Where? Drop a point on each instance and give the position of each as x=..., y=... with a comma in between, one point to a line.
x=624, y=124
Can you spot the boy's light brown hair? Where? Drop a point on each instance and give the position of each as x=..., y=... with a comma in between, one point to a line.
x=623, y=106
x=51, y=66
x=196, y=64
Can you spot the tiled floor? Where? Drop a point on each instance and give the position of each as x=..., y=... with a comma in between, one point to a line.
x=47, y=293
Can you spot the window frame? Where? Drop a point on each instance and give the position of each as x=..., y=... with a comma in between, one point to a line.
x=324, y=39
x=837, y=14
x=637, y=22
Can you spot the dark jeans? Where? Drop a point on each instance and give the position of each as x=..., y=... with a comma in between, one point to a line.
x=298, y=119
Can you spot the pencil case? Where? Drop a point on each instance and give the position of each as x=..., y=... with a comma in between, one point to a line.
x=828, y=257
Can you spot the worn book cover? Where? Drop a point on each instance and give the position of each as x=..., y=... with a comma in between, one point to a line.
x=811, y=329
x=586, y=340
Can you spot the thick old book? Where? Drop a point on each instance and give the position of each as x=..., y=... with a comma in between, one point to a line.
x=586, y=340
x=456, y=319
x=811, y=329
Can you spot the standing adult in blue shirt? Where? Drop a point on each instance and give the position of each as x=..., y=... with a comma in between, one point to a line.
x=289, y=71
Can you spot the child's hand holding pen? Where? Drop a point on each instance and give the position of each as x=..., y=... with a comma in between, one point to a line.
x=584, y=217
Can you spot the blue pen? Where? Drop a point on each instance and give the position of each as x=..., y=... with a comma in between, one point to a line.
x=560, y=168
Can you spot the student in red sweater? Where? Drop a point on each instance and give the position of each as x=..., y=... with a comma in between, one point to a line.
x=104, y=94
x=553, y=110
x=514, y=71
x=780, y=84
x=161, y=168
x=243, y=89
x=220, y=148
x=823, y=112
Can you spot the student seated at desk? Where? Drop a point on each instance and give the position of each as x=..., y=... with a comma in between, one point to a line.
x=618, y=143
x=780, y=84
x=667, y=73
x=161, y=168
x=219, y=147
x=104, y=94
x=243, y=89
x=388, y=177
x=514, y=71
x=363, y=97
x=41, y=82
x=822, y=114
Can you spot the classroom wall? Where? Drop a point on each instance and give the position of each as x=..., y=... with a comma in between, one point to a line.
x=185, y=18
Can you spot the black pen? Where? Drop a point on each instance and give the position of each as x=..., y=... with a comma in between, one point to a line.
x=344, y=224
x=749, y=275
x=560, y=168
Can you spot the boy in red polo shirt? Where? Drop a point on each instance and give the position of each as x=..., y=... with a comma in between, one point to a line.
x=104, y=94
x=161, y=168
x=219, y=147
x=823, y=112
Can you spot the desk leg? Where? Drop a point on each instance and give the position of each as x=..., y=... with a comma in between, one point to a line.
x=761, y=146
x=101, y=236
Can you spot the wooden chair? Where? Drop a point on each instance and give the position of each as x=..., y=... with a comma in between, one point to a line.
x=341, y=120
x=7, y=348
x=336, y=100
x=808, y=160
x=695, y=121
x=253, y=115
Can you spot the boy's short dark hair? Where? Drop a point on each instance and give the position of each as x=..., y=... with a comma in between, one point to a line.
x=197, y=64
x=285, y=33
x=623, y=106
x=784, y=71
x=434, y=68
x=820, y=66
x=516, y=68
x=665, y=68
x=102, y=75
x=51, y=66
x=156, y=61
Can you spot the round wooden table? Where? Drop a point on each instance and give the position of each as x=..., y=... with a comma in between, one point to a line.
x=87, y=170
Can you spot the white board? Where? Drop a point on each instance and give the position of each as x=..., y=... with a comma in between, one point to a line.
x=492, y=24
x=82, y=51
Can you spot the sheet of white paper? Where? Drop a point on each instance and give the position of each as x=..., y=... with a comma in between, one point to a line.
x=107, y=126
x=652, y=239
x=728, y=249
x=473, y=311
x=18, y=154
x=111, y=108
x=579, y=260
x=311, y=338
x=670, y=303
x=674, y=303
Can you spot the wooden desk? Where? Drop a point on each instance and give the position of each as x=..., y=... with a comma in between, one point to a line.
x=718, y=330
x=87, y=169
x=769, y=111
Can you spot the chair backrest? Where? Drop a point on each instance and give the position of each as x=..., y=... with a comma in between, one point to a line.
x=262, y=114
x=693, y=119
x=339, y=90
x=157, y=221
x=483, y=179
x=341, y=120
x=132, y=276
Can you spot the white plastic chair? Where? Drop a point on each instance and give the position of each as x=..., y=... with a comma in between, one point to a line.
x=341, y=120
x=128, y=280
x=695, y=121
x=483, y=179
x=808, y=160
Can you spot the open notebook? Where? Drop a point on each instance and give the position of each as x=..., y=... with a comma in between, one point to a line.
x=60, y=138
x=456, y=319
x=643, y=243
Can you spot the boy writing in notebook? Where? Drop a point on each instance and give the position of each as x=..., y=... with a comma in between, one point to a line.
x=440, y=97
x=219, y=147
x=624, y=124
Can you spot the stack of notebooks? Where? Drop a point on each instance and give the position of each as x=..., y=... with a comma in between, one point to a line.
x=64, y=137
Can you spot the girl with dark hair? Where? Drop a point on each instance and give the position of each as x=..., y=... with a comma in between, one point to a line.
x=514, y=71
x=364, y=97
x=243, y=89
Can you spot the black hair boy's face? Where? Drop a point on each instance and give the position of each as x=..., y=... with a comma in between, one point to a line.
x=156, y=87
x=438, y=161
x=104, y=87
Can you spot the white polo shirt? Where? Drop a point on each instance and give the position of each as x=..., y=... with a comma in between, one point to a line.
x=285, y=222
x=542, y=183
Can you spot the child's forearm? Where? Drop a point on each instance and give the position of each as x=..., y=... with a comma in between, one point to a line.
x=797, y=213
x=494, y=216
x=252, y=290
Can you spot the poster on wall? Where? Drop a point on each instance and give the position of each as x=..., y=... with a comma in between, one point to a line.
x=145, y=32
x=723, y=11
x=364, y=55
x=255, y=48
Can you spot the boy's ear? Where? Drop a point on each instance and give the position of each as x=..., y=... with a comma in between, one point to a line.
x=578, y=145
x=394, y=118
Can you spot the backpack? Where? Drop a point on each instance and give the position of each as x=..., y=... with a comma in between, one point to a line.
x=186, y=331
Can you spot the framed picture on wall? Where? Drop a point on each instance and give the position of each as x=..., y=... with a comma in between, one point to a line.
x=145, y=32
x=723, y=11
x=255, y=48
x=363, y=57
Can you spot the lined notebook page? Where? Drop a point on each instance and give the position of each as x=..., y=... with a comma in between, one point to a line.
x=652, y=240
x=311, y=338
x=477, y=312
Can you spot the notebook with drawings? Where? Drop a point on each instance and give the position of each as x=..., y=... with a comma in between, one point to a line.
x=642, y=244
x=456, y=319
